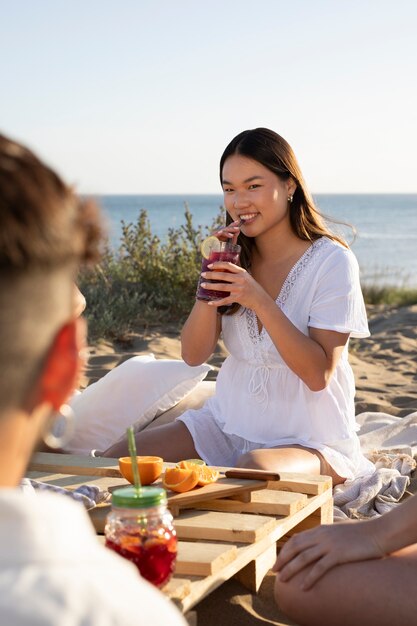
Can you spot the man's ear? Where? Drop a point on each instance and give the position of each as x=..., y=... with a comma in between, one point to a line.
x=62, y=365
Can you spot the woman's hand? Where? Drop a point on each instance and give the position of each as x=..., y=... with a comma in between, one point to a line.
x=230, y=232
x=326, y=546
x=237, y=281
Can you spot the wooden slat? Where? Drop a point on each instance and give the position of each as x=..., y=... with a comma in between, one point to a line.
x=72, y=464
x=223, y=488
x=266, y=502
x=71, y=481
x=241, y=527
x=312, y=484
x=252, y=575
x=177, y=588
x=201, y=587
x=303, y=483
x=203, y=559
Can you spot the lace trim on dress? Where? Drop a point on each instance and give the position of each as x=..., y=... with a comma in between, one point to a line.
x=257, y=341
x=296, y=276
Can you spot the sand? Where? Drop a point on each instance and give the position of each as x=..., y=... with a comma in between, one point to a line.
x=385, y=364
x=385, y=368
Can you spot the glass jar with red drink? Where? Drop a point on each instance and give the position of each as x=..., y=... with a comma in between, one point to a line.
x=139, y=527
x=214, y=251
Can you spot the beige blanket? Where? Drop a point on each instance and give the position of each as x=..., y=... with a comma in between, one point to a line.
x=391, y=443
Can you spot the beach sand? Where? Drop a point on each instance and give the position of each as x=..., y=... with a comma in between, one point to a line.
x=385, y=368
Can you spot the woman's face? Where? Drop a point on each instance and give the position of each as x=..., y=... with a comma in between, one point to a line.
x=255, y=194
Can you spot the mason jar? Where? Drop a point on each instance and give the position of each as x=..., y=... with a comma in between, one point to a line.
x=139, y=527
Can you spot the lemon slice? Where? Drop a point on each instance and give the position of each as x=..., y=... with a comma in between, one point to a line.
x=209, y=245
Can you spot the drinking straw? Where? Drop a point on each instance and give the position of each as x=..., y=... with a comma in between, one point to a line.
x=132, y=451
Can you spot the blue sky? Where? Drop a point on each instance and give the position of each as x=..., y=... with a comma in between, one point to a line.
x=142, y=96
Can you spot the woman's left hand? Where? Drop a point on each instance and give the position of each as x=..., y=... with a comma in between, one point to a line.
x=242, y=287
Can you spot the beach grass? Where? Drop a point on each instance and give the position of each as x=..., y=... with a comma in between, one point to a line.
x=147, y=282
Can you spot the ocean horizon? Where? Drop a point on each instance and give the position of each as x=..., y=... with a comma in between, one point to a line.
x=385, y=224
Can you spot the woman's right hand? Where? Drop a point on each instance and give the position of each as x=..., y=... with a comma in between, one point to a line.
x=229, y=232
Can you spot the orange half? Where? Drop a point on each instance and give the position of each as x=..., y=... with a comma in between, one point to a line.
x=150, y=468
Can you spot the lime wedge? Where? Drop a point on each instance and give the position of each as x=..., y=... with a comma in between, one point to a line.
x=209, y=245
x=196, y=461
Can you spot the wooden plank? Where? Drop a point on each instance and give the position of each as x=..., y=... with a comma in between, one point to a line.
x=322, y=515
x=177, y=588
x=312, y=484
x=72, y=464
x=199, y=559
x=70, y=481
x=203, y=559
x=252, y=575
x=201, y=587
x=245, y=528
x=265, y=502
x=304, y=483
x=223, y=488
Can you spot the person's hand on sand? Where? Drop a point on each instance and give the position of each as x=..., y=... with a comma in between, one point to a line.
x=324, y=547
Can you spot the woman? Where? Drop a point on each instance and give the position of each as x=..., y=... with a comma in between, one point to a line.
x=284, y=396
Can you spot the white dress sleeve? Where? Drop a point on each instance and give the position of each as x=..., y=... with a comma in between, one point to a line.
x=338, y=301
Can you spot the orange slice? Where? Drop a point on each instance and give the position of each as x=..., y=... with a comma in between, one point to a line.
x=180, y=480
x=209, y=245
x=207, y=475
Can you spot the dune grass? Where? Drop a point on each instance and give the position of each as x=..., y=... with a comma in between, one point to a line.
x=146, y=281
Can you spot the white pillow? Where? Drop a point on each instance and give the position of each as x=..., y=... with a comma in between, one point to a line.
x=131, y=394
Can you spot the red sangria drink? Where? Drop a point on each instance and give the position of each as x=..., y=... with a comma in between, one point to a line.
x=213, y=251
x=154, y=553
x=140, y=528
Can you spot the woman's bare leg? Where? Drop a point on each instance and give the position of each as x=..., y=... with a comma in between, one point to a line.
x=381, y=592
x=172, y=442
x=289, y=459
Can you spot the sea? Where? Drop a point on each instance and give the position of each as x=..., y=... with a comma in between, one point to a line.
x=384, y=242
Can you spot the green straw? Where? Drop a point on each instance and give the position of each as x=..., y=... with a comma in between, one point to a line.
x=132, y=451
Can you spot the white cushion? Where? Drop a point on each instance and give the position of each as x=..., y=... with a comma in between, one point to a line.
x=133, y=393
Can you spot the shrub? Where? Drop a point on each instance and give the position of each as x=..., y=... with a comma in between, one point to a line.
x=146, y=280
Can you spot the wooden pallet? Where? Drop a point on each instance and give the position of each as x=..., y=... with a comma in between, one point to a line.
x=219, y=538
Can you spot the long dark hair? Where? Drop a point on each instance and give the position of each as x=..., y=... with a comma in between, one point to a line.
x=273, y=152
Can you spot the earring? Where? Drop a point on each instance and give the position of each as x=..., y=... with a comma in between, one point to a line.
x=60, y=428
x=290, y=198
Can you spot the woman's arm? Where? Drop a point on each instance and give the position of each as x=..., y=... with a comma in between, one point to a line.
x=200, y=334
x=327, y=546
x=312, y=357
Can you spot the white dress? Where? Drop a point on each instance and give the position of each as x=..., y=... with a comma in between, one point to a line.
x=260, y=402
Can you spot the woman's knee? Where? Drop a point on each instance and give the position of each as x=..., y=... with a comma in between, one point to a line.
x=251, y=460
